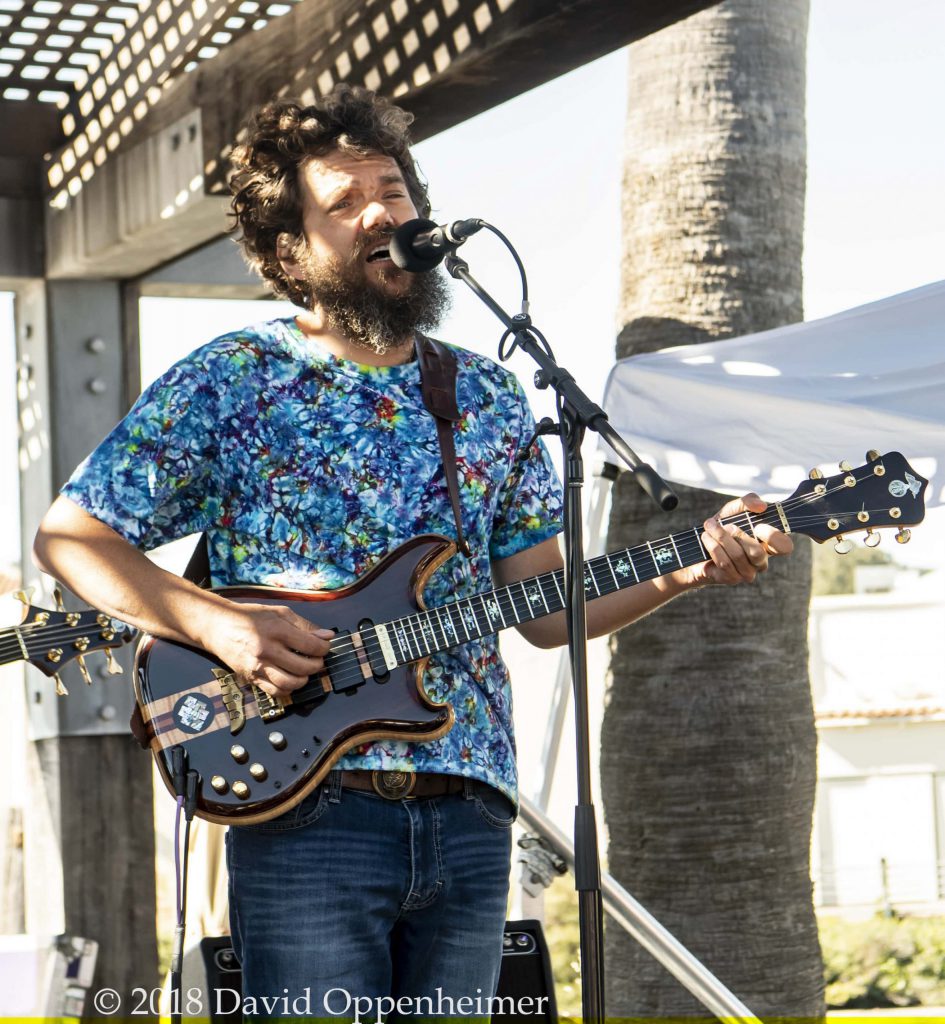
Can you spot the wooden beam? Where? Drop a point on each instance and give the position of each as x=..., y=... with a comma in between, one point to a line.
x=445, y=61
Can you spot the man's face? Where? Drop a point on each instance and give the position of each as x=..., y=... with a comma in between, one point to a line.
x=351, y=205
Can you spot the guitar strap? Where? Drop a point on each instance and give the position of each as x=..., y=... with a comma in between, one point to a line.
x=438, y=387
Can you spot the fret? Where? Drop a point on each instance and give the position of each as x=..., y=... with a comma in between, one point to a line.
x=649, y=548
x=672, y=540
x=403, y=638
x=507, y=593
x=541, y=594
x=528, y=600
x=662, y=556
x=589, y=577
x=751, y=525
x=624, y=565
x=394, y=633
x=487, y=611
x=469, y=619
x=497, y=605
x=413, y=633
x=613, y=575
x=555, y=575
x=426, y=629
x=449, y=614
x=19, y=639
x=705, y=553
x=504, y=594
x=448, y=640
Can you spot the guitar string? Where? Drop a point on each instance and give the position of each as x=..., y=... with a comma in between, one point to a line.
x=685, y=545
x=682, y=541
x=67, y=631
x=689, y=546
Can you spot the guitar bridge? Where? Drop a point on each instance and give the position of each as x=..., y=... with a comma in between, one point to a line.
x=269, y=707
x=232, y=699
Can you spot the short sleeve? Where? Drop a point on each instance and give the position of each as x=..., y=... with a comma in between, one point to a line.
x=529, y=508
x=156, y=476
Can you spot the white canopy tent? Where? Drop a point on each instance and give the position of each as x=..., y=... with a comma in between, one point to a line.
x=758, y=412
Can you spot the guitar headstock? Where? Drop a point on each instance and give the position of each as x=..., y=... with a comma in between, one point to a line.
x=884, y=492
x=49, y=639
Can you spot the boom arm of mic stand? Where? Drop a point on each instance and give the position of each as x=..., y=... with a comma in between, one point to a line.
x=582, y=409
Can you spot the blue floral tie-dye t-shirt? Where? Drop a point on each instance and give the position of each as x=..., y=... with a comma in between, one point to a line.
x=304, y=470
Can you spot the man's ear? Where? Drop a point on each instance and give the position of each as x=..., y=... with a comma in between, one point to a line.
x=286, y=249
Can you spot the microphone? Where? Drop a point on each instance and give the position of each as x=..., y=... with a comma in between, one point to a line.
x=420, y=245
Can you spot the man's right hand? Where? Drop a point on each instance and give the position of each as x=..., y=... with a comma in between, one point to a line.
x=268, y=645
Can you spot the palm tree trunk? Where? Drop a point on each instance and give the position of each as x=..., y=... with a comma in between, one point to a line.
x=708, y=758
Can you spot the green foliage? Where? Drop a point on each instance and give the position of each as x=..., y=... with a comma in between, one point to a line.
x=886, y=961
x=564, y=945
x=833, y=573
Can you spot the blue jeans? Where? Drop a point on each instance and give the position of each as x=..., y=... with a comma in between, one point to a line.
x=354, y=907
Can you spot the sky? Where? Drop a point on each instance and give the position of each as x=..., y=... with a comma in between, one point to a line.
x=545, y=168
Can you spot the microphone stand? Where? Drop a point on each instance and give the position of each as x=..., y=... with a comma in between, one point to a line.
x=578, y=413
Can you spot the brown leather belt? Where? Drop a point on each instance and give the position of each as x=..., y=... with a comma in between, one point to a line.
x=402, y=785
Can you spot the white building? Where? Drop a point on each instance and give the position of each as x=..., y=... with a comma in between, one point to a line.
x=878, y=678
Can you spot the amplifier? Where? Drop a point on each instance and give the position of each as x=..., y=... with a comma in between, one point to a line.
x=526, y=987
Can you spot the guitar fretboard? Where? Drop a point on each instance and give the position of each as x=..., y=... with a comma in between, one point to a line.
x=439, y=629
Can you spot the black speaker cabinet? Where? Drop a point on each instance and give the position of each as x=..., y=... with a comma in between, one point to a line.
x=525, y=977
x=526, y=988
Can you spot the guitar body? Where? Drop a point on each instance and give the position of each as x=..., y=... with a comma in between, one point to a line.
x=252, y=768
x=257, y=756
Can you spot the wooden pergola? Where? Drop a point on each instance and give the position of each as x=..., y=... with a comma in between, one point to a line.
x=116, y=120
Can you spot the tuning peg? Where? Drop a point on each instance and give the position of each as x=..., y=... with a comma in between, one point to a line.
x=57, y=597
x=872, y=539
x=845, y=466
x=872, y=455
x=25, y=597
x=843, y=546
x=903, y=535
x=114, y=669
x=816, y=474
x=80, y=661
x=61, y=690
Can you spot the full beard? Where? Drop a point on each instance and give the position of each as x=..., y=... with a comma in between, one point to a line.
x=367, y=313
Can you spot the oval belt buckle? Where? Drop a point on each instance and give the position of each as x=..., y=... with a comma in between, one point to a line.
x=393, y=785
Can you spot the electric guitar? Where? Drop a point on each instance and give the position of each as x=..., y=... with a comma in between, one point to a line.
x=51, y=639
x=256, y=755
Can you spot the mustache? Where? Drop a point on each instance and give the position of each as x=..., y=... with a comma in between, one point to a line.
x=365, y=242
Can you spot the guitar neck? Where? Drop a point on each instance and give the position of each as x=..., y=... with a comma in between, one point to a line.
x=12, y=645
x=439, y=629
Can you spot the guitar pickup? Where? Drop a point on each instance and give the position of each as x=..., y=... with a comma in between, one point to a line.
x=351, y=663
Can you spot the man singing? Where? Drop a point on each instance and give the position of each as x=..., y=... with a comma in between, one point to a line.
x=303, y=451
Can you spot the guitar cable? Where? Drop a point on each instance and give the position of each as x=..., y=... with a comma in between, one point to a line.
x=185, y=783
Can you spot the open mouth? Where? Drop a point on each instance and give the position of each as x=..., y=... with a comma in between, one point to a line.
x=382, y=252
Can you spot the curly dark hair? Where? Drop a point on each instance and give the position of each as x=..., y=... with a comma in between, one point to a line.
x=280, y=136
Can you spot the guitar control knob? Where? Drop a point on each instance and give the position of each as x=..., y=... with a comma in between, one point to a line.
x=220, y=785
x=903, y=535
x=277, y=740
x=239, y=754
x=241, y=790
x=258, y=772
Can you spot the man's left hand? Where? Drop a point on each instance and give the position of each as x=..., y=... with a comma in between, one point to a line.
x=735, y=555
